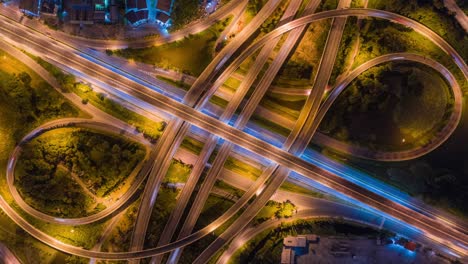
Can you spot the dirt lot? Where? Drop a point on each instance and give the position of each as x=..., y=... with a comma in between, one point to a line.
x=362, y=250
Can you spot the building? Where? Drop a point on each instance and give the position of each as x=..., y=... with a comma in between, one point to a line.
x=312, y=238
x=79, y=11
x=299, y=241
x=38, y=7
x=137, y=18
x=287, y=256
x=30, y=7
x=138, y=12
x=50, y=6
x=163, y=12
x=163, y=19
x=100, y=11
x=114, y=12
x=296, y=245
x=90, y=11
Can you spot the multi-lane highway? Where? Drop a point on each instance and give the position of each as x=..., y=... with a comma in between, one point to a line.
x=242, y=119
x=208, y=148
x=440, y=232
x=176, y=129
x=296, y=142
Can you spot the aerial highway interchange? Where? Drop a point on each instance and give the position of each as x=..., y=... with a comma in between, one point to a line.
x=229, y=131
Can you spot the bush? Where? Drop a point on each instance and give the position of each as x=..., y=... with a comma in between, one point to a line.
x=102, y=162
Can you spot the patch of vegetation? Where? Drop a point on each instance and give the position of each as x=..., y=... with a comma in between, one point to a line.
x=26, y=248
x=150, y=129
x=165, y=203
x=27, y=99
x=242, y=168
x=327, y=5
x=294, y=188
x=184, y=12
x=357, y=3
x=272, y=21
x=275, y=209
x=14, y=124
x=177, y=83
x=439, y=178
x=266, y=247
x=190, y=55
x=178, y=172
x=192, y=145
x=379, y=37
x=218, y=101
x=267, y=124
x=84, y=236
x=54, y=193
x=463, y=5
x=434, y=15
x=214, y=208
x=121, y=235
x=292, y=83
x=232, y=83
x=254, y=6
x=382, y=109
x=229, y=188
x=71, y=259
x=287, y=106
x=303, y=63
x=101, y=162
x=347, y=44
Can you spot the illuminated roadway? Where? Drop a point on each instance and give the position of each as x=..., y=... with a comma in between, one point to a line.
x=83, y=123
x=320, y=209
x=100, y=121
x=168, y=89
x=248, y=142
x=209, y=146
x=460, y=15
x=176, y=129
x=7, y=256
x=438, y=139
x=246, y=112
x=295, y=143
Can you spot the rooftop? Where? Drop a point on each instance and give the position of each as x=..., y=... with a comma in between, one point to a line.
x=299, y=241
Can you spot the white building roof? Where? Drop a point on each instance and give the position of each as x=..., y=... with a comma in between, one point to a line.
x=287, y=256
x=290, y=241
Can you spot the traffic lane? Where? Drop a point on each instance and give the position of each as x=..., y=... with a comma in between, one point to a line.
x=186, y=117
x=183, y=115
